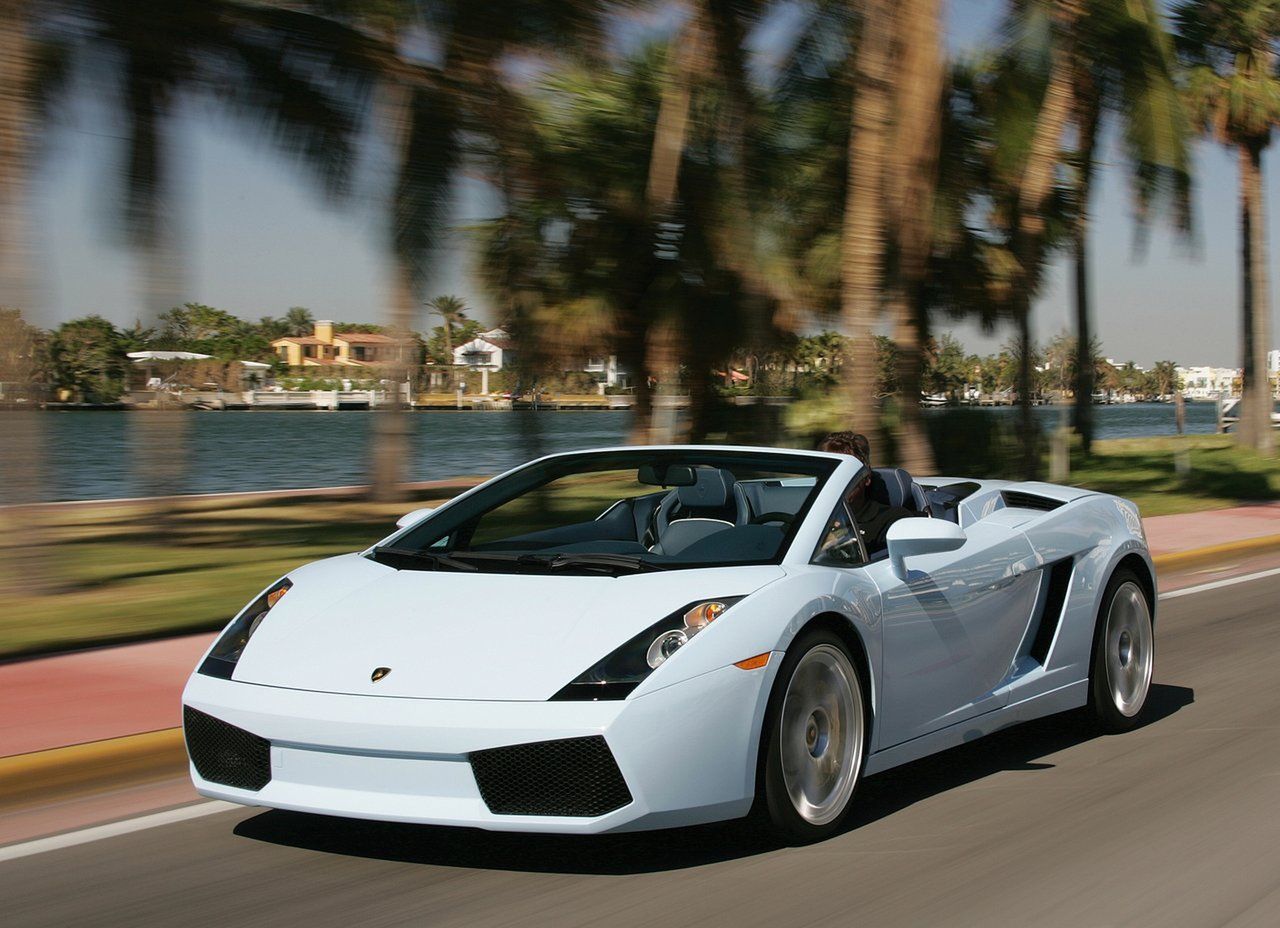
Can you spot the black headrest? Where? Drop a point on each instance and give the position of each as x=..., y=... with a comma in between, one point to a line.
x=892, y=487
x=710, y=492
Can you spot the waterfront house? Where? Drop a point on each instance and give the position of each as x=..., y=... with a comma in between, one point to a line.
x=1200, y=383
x=327, y=348
x=491, y=350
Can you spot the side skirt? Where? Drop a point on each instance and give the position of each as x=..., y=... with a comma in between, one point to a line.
x=1071, y=696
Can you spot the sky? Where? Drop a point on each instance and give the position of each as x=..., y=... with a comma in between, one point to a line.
x=257, y=239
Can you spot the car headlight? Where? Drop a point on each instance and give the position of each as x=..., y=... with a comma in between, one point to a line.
x=623, y=670
x=230, y=645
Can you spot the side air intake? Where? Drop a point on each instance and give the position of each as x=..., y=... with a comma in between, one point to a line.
x=1021, y=500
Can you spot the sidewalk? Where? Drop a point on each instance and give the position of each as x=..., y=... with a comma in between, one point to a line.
x=1188, y=531
x=53, y=702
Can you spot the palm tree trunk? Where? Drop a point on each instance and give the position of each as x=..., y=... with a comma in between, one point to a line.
x=391, y=433
x=1029, y=229
x=1255, y=405
x=1030, y=434
x=1083, y=386
x=1087, y=116
x=634, y=354
x=914, y=178
x=29, y=560
x=670, y=135
x=17, y=116
x=863, y=234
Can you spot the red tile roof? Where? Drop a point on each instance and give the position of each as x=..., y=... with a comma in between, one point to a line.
x=364, y=338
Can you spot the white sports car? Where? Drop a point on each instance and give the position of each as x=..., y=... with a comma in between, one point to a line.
x=647, y=637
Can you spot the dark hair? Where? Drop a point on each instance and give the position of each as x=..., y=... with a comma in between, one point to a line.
x=854, y=443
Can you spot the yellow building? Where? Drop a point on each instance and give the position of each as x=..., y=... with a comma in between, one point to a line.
x=327, y=348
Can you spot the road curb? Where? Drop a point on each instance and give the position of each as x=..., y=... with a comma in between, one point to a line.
x=1212, y=554
x=62, y=772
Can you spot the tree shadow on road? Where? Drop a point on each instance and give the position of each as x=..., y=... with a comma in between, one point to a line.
x=880, y=796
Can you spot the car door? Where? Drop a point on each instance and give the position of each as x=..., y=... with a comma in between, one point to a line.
x=951, y=631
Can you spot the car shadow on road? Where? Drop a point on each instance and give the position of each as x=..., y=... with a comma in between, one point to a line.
x=1018, y=748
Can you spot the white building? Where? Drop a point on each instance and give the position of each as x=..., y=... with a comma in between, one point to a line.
x=1208, y=382
x=487, y=351
x=493, y=350
x=606, y=370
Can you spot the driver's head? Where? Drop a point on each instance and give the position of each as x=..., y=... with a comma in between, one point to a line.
x=853, y=443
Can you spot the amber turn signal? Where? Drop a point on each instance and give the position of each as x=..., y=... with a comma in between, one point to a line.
x=753, y=663
x=703, y=614
x=276, y=595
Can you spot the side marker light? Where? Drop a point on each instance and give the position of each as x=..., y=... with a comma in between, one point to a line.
x=754, y=663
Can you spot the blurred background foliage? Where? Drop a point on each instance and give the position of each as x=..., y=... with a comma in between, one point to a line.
x=778, y=199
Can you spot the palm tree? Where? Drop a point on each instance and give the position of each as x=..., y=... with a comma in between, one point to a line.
x=276, y=81
x=1165, y=374
x=31, y=73
x=299, y=321
x=18, y=106
x=1001, y=207
x=453, y=311
x=432, y=116
x=1229, y=47
x=1124, y=67
x=888, y=74
x=863, y=236
x=1034, y=186
x=912, y=185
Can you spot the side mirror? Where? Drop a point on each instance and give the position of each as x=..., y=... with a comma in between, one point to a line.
x=909, y=537
x=409, y=518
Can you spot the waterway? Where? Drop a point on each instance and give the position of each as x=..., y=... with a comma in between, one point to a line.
x=97, y=455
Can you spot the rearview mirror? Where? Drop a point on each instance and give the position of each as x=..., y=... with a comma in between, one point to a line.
x=409, y=518
x=914, y=536
x=668, y=475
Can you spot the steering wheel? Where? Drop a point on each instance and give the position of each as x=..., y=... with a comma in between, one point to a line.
x=785, y=518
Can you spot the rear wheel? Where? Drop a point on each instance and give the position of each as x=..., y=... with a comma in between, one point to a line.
x=1123, y=654
x=816, y=735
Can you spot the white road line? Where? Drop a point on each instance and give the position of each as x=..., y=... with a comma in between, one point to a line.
x=1218, y=584
x=128, y=826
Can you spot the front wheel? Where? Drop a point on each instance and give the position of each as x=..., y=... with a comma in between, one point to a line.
x=1123, y=655
x=816, y=733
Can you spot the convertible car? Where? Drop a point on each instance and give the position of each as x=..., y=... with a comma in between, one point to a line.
x=648, y=637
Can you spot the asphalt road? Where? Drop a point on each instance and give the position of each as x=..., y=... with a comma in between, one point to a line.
x=1177, y=823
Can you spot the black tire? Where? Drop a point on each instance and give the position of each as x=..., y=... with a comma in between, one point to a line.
x=1122, y=663
x=824, y=658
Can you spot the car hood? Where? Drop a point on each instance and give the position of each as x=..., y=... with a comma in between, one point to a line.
x=447, y=635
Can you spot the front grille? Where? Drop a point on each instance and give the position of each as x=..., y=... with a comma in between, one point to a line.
x=572, y=776
x=225, y=754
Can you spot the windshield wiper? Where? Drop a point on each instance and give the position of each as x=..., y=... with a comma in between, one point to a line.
x=429, y=560
x=601, y=561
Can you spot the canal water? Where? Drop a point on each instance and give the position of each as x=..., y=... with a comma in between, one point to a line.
x=97, y=455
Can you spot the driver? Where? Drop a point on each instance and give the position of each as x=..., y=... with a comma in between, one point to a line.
x=873, y=518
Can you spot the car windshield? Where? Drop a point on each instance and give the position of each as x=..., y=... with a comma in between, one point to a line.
x=621, y=512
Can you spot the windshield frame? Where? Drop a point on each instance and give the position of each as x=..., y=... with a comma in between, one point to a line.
x=503, y=489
